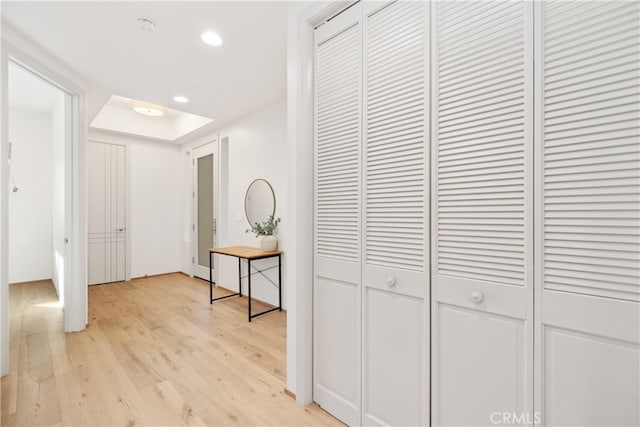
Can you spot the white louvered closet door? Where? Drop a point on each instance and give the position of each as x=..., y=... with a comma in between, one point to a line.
x=588, y=210
x=336, y=294
x=482, y=290
x=395, y=216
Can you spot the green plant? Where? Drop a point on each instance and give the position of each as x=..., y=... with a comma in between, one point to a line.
x=265, y=228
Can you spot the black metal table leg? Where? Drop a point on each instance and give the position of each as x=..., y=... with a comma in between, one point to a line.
x=279, y=282
x=240, y=276
x=211, y=284
x=249, y=285
x=210, y=280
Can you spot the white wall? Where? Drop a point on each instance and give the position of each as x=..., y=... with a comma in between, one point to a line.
x=30, y=209
x=250, y=147
x=58, y=155
x=256, y=149
x=156, y=177
x=155, y=200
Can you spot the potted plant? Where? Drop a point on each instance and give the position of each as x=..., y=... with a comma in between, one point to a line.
x=266, y=231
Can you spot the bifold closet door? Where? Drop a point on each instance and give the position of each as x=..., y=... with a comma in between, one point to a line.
x=336, y=285
x=395, y=216
x=482, y=279
x=588, y=214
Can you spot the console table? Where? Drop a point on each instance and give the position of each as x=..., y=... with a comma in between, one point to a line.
x=250, y=254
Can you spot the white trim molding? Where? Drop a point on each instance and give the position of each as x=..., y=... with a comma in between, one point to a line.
x=303, y=18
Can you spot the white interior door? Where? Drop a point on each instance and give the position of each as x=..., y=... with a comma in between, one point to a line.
x=395, y=266
x=337, y=250
x=107, y=212
x=204, y=204
x=588, y=213
x=482, y=288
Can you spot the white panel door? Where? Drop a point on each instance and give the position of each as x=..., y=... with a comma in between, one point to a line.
x=205, y=176
x=336, y=285
x=588, y=213
x=482, y=277
x=118, y=214
x=97, y=213
x=395, y=217
x=107, y=212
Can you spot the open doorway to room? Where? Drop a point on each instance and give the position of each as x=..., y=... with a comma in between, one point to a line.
x=38, y=197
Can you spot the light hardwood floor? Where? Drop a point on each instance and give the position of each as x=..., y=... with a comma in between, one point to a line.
x=155, y=353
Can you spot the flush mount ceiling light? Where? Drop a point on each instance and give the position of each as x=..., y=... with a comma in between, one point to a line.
x=146, y=24
x=211, y=38
x=147, y=109
x=181, y=99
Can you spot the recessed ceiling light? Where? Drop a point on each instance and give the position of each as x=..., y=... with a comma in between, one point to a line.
x=146, y=24
x=148, y=109
x=181, y=99
x=211, y=38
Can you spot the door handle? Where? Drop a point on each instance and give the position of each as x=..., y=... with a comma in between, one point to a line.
x=476, y=296
x=391, y=281
x=119, y=229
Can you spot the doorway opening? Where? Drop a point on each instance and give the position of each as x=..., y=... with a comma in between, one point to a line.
x=40, y=186
x=41, y=196
x=38, y=203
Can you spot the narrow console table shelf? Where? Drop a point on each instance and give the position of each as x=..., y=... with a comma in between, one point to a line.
x=250, y=254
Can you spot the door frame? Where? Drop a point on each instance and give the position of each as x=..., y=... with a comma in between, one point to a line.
x=302, y=20
x=210, y=147
x=48, y=68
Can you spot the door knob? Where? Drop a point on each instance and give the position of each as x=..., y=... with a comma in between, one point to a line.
x=476, y=296
x=391, y=281
x=119, y=229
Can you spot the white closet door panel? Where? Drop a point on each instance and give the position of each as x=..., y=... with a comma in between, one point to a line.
x=482, y=296
x=503, y=300
x=395, y=216
x=582, y=149
x=118, y=260
x=96, y=256
x=109, y=189
x=588, y=257
x=107, y=212
x=120, y=214
x=395, y=211
x=338, y=146
x=395, y=367
x=337, y=300
x=97, y=215
x=337, y=356
x=578, y=391
x=479, y=347
x=120, y=190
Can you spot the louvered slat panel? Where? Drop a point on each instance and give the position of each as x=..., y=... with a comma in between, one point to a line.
x=337, y=146
x=480, y=146
x=591, y=189
x=395, y=151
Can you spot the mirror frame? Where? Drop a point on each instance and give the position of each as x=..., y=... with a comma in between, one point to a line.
x=273, y=196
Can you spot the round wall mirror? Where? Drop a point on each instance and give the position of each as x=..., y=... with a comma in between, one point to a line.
x=259, y=202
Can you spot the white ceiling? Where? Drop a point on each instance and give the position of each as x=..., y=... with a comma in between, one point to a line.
x=117, y=115
x=102, y=42
x=28, y=92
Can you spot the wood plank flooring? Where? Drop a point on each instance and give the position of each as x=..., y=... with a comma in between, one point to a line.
x=155, y=353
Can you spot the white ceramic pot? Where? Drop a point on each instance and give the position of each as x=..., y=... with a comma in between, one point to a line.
x=268, y=243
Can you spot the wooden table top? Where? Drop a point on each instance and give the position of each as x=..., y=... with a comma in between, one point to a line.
x=246, y=252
